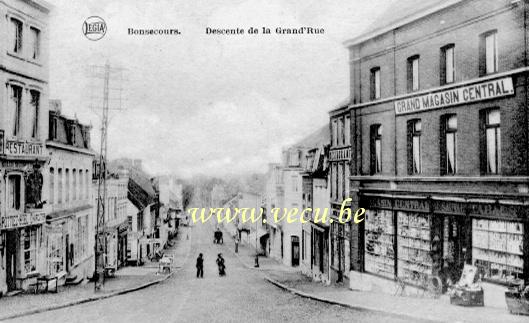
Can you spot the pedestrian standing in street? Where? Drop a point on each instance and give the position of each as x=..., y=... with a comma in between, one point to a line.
x=236, y=239
x=200, y=266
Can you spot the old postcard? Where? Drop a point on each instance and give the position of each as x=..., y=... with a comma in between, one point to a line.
x=264, y=161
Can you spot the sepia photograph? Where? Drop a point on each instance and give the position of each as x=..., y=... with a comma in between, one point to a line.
x=264, y=161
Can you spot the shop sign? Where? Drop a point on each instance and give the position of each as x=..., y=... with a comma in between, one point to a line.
x=22, y=220
x=23, y=148
x=465, y=94
x=447, y=207
x=482, y=209
x=379, y=203
x=412, y=205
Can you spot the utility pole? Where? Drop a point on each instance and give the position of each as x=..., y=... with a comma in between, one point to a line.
x=100, y=238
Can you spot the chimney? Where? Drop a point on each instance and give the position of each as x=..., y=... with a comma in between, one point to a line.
x=55, y=105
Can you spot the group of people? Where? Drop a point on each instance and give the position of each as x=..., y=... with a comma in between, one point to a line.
x=219, y=261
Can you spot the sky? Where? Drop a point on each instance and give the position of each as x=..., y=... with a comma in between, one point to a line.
x=206, y=104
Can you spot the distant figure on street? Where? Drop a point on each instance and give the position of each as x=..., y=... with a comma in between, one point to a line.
x=236, y=239
x=200, y=266
x=220, y=263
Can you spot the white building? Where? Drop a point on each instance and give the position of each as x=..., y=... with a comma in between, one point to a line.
x=23, y=130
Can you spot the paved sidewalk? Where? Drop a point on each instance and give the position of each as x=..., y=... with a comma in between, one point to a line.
x=127, y=279
x=426, y=309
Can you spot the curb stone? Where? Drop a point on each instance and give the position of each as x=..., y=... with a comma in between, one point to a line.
x=86, y=300
x=354, y=307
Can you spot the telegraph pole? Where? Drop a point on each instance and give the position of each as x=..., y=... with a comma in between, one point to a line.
x=100, y=239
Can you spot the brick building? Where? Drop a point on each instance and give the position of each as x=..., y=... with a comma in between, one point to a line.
x=440, y=142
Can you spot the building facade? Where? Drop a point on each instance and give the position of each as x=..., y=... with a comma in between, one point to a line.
x=440, y=143
x=115, y=213
x=23, y=131
x=274, y=198
x=69, y=227
x=339, y=170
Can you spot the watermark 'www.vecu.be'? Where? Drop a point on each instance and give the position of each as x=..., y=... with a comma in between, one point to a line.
x=227, y=215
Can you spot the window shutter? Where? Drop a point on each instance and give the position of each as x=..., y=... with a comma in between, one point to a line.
x=409, y=75
x=482, y=56
x=442, y=67
x=410, y=146
x=482, y=142
x=372, y=150
x=442, y=144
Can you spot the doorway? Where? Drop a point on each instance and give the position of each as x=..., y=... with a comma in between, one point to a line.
x=11, y=260
x=295, y=251
x=454, y=245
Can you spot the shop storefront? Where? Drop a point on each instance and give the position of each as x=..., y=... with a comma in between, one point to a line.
x=320, y=253
x=340, y=250
x=437, y=236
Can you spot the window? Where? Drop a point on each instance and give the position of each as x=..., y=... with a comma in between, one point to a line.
x=347, y=131
x=448, y=144
x=67, y=185
x=14, y=192
x=414, y=146
x=490, y=142
x=16, y=34
x=60, y=180
x=447, y=70
x=488, y=56
x=341, y=137
x=294, y=183
x=30, y=249
x=376, y=149
x=340, y=181
x=15, y=107
x=335, y=132
x=334, y=181
x=34, y=114
x=375, y=83
x=35, y=43
x=82, y=237
x=87, y=183
x=74, y=184
x=52, y=185
x=81, y=185
x=55, y=249
x=413, y=73
x=346, y=181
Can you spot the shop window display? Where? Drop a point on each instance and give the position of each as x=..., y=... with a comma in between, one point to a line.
x=55, y=250
x=497, y=249
x=30, y=249
x=414, y=245
x=379, y=247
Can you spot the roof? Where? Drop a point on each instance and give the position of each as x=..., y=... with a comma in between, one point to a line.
x=140, y=189
x=318, y=138
x=400, y=13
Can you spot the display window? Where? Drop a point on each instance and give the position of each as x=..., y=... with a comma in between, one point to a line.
x=497, y=249
x=55, y=249
x=29, y=236
x=414, y=245
x=379, y=243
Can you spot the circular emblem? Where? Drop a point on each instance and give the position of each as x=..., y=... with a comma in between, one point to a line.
x=94, y=28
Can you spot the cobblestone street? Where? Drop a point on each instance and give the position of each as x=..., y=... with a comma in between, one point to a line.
x=243, y=295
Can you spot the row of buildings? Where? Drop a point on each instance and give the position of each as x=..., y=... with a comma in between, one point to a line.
x=48, y=174
x=433, y=142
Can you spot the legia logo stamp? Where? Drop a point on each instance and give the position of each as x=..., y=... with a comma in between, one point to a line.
x=94, y=28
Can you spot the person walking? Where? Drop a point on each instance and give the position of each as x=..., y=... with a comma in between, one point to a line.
x=200, y=266
x=220, y=263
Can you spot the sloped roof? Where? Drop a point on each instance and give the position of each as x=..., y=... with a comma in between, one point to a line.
x=318, y=138
x=140, y=189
